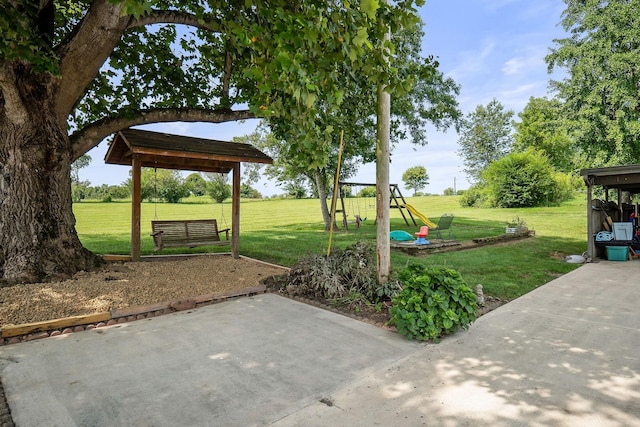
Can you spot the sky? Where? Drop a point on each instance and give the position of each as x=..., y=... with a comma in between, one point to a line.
x=491, y=48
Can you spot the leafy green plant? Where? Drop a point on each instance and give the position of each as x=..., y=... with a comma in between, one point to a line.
x=524, y=179
x=434, y=301
x=344, y=275
x=516, y=222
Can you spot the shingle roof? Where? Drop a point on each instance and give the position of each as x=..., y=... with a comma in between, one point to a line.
x=167, y=151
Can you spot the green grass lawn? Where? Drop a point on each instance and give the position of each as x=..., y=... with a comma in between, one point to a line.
x=282, y=230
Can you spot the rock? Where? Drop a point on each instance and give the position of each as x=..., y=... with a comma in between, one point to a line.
x=479, y=295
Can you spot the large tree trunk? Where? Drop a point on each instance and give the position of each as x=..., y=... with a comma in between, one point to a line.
x=38, y=239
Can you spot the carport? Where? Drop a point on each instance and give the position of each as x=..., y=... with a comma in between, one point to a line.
x=141, y=148
x=624, y=182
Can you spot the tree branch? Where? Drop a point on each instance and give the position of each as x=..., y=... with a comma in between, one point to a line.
x=93, y=42
x=175, y=17
x=88, y=137
x=83, y=54
x=10, y=100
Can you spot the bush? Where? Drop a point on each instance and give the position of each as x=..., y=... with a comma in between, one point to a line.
x=524, y=179
x=344, y=273
x=367, y=192
x=434, y=301
x=472, y=197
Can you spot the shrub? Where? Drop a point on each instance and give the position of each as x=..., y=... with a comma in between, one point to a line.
x=472, y=197
x=524, y=179
x=342, y=274
x=434, y=301
x=367, y=192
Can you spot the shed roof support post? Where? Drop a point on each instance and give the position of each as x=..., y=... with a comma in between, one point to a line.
x=235, y=212
x=136, y=199
x=590, y=231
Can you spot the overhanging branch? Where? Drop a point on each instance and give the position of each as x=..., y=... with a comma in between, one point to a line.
x=175, y=17
x=88, y=137
x=94, y=40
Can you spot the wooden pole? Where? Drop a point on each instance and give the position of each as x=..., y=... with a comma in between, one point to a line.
x=335, y=194
x=591, y=246
x=136, y=200
x=235, y=212
x=383, y=158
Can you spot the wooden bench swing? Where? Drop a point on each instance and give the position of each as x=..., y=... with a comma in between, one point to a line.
x=187, y=233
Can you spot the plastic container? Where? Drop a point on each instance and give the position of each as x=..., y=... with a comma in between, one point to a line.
x=622, y=230
x=617, y=253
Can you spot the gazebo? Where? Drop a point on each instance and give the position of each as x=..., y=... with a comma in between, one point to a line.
x=141, y=148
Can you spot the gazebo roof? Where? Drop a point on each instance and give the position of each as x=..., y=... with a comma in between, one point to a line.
x=167, y=151
x=626, y=178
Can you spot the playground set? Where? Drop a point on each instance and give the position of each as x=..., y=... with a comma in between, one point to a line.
x=397, y=200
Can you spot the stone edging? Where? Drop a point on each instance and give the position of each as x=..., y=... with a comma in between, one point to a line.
x=32, y=331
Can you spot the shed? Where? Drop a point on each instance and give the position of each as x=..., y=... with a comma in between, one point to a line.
x=624, y=181
x=141, y=148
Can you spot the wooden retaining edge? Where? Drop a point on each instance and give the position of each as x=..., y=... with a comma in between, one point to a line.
x=268, y=264
x=178, y=305
x=47, y=325
x=504, y=237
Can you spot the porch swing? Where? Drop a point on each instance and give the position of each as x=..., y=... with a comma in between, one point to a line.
x=185, y=233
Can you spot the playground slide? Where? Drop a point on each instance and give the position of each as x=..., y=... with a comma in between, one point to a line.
x=422, y=218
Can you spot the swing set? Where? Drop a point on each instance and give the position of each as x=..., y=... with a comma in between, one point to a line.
x=397, y=201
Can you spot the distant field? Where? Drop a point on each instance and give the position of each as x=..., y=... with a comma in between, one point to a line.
x=282, y=230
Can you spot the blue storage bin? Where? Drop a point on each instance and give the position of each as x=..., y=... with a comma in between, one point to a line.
x=617, y=253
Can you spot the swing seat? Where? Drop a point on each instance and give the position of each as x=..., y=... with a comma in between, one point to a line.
x=187, y=233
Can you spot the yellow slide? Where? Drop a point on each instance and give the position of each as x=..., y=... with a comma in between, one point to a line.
x=422, y=218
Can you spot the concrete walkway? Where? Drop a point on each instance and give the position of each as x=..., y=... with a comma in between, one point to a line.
x=566, y=354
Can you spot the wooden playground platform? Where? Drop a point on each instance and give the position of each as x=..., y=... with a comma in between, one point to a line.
x=437, y=246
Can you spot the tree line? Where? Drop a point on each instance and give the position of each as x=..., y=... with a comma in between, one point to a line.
x=163, y=185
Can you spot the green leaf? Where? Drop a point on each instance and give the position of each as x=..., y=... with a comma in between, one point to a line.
x=370, y=7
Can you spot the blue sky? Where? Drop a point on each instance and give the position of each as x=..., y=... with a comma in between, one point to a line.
x=492, y=48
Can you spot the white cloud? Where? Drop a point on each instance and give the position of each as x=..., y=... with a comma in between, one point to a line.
x=471, y=62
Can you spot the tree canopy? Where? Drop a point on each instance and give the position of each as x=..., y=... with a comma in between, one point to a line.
x=416, y=178
x=601, y=91
x=425, y=96
x=72, y=73
x=485, y=136
x=542, y=127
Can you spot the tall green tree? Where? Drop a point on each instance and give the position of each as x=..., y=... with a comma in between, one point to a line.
x=218, y=187
x=416, y=178
x=80, y=163
x=485, y=136
x=196, y=184
x=97, y=67
x=423, y=96
x=543, y=127
x=601, y=57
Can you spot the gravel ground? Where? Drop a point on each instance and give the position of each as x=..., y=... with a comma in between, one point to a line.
x=120, y=285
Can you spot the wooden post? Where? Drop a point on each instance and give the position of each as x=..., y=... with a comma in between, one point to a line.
x=136, y=199
x=382, y=177
x=235, y=212
x=591, y=246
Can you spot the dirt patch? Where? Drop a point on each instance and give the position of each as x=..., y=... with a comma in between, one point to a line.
x=121, y=285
